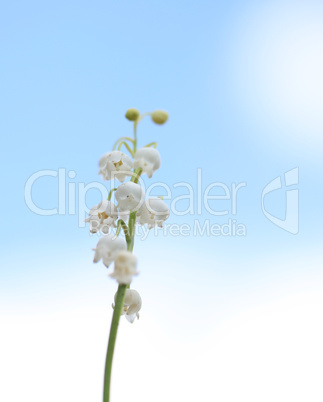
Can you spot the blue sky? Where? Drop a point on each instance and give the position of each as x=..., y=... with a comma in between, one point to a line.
x=242, y=82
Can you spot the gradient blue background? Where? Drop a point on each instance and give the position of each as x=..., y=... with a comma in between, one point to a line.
x=242, y=82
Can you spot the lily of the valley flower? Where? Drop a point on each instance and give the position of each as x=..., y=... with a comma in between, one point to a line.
x=108, y=248
x=153, y=212
x=115, y=164
x=102, y=217
x=131, y=305
x=125, y=267
x=148, y=159
x=130, y=197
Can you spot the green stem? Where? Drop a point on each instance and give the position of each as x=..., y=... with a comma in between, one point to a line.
x=143, y=115
x=118, y=228
x=131, y=223
x=129, y=232
x=136, y=175
x=127, y=146
x=151, y=144
x=135, y=137
x=121, y=139
x=135, y=130
x=110, y=193
x=121, y=223
x=112, y=340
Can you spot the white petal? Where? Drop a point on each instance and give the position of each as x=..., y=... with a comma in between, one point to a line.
x=131, y=318
x=97, y=256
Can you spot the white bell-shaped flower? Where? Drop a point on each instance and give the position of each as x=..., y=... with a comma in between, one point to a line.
x=102, y=217
x=153, y=212
x=108, y=248
x=131, y=305
x=148, y=159
x=130, y=197
x=125, y=267
x=115, y=164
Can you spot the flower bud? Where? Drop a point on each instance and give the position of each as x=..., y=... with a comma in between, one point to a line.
x=132, y=114
x=159, y=116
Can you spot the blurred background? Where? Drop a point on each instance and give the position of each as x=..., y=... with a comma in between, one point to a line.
x=225, y=317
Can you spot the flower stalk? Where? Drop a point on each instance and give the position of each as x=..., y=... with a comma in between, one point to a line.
x=130, y=239
x=112, y=340
x=131, y=204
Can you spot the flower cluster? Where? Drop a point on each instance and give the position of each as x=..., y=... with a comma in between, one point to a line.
x=129, y=209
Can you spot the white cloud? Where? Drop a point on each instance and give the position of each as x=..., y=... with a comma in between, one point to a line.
x=271, y=352
x=278, y=64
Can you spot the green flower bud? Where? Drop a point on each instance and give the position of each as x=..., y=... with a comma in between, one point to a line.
x=159, y=116
x=132, y=114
